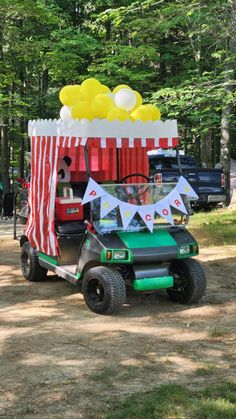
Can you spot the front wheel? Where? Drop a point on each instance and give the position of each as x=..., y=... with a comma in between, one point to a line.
x=30, y=266
x=104, y=290
x=189, y=281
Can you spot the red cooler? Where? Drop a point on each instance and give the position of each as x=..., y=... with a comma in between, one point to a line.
x=69, y=209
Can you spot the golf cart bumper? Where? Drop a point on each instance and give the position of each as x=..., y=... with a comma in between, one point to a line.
x=149, y=277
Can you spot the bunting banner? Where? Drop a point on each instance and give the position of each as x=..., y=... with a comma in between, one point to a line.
x=185, y=188
x=93, y=191
x=108, y=203
x=147, y=212
x=176, y=201
x=127, y=212
x=162, y=208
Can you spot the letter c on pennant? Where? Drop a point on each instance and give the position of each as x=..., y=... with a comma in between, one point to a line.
x=148, y=217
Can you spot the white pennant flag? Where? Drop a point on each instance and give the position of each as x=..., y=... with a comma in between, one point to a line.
x=176, y=201
x=93, y=191
x=163, y=209
x=146, y=212
x=185, y=188
x=108, y=203
x=127, y=212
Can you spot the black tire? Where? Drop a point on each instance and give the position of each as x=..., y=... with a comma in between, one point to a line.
x=104, y=290
x=30, y=266
x=189, y=281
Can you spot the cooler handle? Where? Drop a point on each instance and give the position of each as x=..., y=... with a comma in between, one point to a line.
x=68, y=192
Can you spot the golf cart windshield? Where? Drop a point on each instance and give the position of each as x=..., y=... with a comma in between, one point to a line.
x=137, y=194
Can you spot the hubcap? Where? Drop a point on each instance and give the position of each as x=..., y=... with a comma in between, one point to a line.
x=25, y=261
x=95, y=291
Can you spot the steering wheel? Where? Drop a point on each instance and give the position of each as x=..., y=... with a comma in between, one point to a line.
x=123, y=179
x=136, y=195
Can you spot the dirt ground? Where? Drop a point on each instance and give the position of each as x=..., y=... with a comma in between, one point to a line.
x=60, y=360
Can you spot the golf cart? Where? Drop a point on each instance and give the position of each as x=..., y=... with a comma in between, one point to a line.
x=98, y=220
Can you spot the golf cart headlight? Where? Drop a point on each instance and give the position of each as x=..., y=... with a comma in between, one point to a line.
x=184, y=250
x=119, y=254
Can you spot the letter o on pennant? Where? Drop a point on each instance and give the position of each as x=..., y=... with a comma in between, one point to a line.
x=165, y=212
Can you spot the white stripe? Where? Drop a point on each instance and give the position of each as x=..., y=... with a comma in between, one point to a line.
x=157, y=142
x=118, y=142
x=131, y=142
x=83, y=141
x=69, y=141
x=77, y=142
x=64, y=142
x=170, y=142
x=143, y=142
x=103, y=142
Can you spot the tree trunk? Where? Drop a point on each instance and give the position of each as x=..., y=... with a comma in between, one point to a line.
x=206, y=149
x=5, y=156
x=228, y=108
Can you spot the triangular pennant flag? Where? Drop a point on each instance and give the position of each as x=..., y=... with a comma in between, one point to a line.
x=127, y=212
x=176, y=201
x=146, y=212
x=93, y=191
x=185, y=188
x=108, y=203
x=163, y=209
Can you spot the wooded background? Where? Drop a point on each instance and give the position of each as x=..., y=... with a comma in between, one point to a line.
x=179, y=54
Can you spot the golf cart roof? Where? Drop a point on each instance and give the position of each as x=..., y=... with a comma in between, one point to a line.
x=104, y=133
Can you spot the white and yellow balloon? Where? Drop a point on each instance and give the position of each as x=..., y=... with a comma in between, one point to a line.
x=92, y=100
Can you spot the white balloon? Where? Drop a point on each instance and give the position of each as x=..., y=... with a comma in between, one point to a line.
x=65, y=112
x=125, y=99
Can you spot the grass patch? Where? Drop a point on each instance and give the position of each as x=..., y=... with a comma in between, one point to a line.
x=218, y=331
x=206, y=370
x=216, y=228
x=172, y=401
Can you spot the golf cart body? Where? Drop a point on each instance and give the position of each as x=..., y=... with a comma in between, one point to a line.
x=87, y=220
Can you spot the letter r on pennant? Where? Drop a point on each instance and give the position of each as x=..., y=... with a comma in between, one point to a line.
x=92, y=193
x=177, y=203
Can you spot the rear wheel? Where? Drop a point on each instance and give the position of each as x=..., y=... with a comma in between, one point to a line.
x=104, y=290
x=189, y=281
x=30, y=266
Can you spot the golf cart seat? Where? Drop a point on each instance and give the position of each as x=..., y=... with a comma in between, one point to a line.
x=67, y=228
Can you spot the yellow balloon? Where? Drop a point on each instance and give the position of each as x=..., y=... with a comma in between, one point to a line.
x=90, y=88
x=70, y=94
x=142, y=113
x=139, y=99
x=104, y=89
x=156, y=111
x=121, y=86
x=101, y=105
x=118, y=113
x=82, y=110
